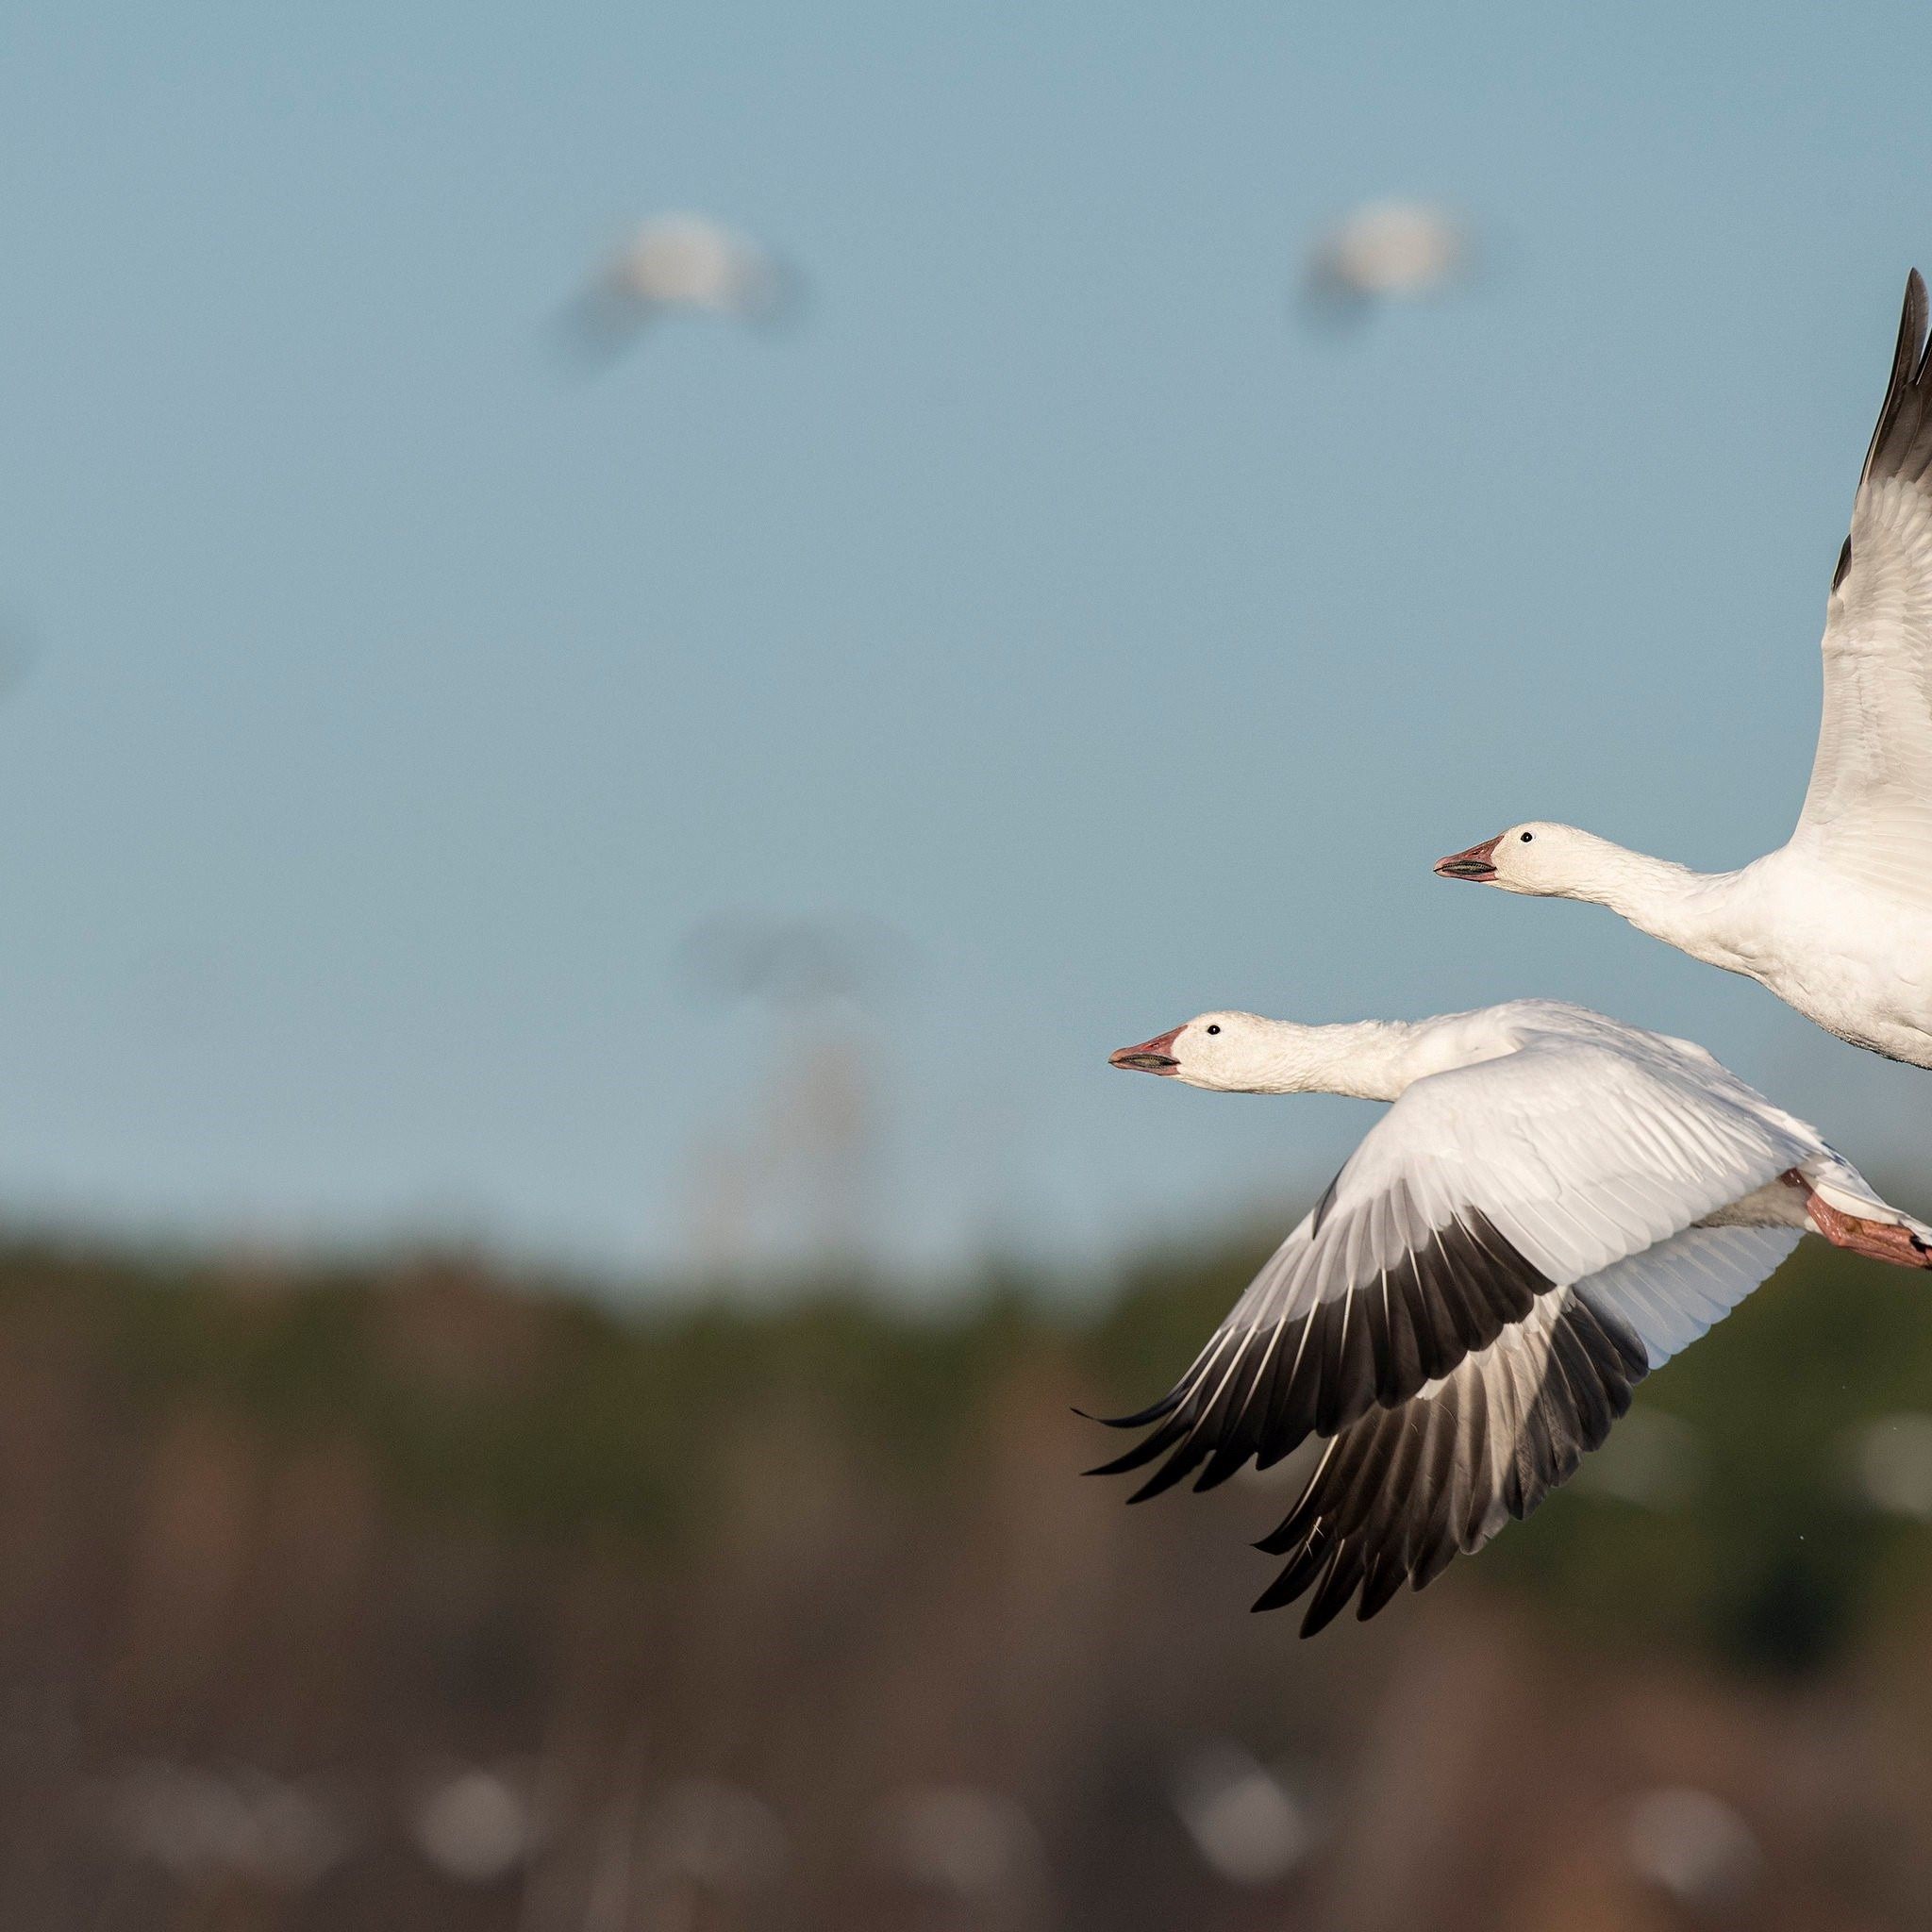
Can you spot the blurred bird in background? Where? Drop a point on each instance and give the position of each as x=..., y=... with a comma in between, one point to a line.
x=679, y=264
x=1383, y=252
x=804, y=1175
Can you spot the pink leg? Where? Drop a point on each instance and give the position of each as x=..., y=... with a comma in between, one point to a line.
x=1881, y=1240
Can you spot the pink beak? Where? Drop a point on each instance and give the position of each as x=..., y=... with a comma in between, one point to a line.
x=1478, y=863
x=1150, y=1057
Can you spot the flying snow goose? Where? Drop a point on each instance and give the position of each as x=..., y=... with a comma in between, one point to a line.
x=1838, y=921
x=1555, y=1205
x=1386, y=251
x=680, y=263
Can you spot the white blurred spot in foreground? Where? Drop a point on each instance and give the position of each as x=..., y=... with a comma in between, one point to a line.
x=1693, y=1845
x=475, y=1827
x=1249, y=1828
x=680, y=265
x=1891, y=1464
x=953, y=1839
x=1387, y=251
x=198, y=1823
x=715, y=1835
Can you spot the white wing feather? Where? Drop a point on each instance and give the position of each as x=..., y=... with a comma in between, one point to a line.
x=1868, y=811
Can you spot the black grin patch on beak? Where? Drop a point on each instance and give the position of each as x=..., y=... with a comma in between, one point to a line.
x=1145, y=1063
x=1466, y=868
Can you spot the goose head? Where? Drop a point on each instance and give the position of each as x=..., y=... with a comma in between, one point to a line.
x=1543, y=860
x=1235, y=1053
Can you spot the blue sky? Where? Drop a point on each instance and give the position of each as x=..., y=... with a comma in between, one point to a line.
x=397, y=702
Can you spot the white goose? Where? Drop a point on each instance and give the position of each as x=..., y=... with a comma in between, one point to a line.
x=1555, y=1205
x=1838, y=921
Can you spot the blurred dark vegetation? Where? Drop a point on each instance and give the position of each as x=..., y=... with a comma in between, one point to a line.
x=410, y=1594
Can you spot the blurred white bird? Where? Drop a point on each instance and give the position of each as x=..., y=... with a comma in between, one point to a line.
x=680, y=262
x=1386, y=251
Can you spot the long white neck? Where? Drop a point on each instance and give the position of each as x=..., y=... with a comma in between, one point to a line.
x=1370, y=1059
x=1684, y=908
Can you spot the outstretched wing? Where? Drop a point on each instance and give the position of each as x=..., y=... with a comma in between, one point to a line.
x=1398, y=1494
x=1868, y=811
x=1481, y=1194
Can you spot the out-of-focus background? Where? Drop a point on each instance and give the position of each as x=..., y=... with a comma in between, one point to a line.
x=629, y=640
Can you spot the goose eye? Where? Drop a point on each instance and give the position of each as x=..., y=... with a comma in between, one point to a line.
x=1528, y=837
x=1214, y=1029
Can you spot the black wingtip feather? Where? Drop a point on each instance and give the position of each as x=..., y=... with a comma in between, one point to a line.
x=1403, y=1486
x=1333, y=1590
x=1386, y=1574
x=1176, y=1469
x=1226, y=1462
x=1142, y=1452
x=1140, y=1417
x=1295, y=1577
x=1400, y=1492
x=1288, y=1534
x=1896, y=435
